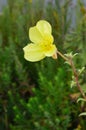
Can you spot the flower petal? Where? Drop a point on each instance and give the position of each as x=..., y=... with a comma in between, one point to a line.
x=44, y=27
x=35, y=35
x=33, y=52
x=51, y=51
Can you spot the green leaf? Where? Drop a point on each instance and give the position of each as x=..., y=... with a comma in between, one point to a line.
x=82, y=114
x=81, y=99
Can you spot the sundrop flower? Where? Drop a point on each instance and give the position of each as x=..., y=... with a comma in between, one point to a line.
x=42, y=42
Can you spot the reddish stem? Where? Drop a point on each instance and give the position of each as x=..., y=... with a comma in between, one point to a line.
x=74, y=72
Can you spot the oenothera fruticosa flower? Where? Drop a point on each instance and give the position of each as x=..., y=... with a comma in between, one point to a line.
x=42, y=42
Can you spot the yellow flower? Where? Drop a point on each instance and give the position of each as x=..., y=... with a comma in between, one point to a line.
x=42, y=42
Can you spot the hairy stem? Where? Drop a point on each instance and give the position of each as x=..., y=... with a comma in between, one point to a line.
x=74, y=72
x=76, y=78
x=65, y=58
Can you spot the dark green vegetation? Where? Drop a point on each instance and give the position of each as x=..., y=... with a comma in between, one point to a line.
x=37, y=96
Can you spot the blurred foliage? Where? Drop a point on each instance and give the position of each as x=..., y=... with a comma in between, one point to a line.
x=37, y=96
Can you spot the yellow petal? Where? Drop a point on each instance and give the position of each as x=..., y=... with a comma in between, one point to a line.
x=44, y=27
x=51, y=51
x=33, y=52
x=35, y=35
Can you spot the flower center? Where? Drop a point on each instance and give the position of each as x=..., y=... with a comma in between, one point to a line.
x=47, y=47
x=46, y=44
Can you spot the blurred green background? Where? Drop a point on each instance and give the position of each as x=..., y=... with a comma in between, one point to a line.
x=38, y=96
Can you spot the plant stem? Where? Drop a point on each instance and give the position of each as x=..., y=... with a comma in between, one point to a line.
x=74, y=72
x=76, y=79
x=65, y=58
